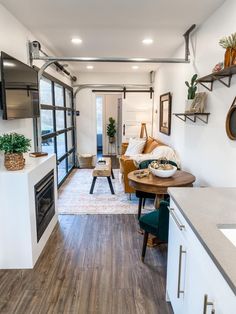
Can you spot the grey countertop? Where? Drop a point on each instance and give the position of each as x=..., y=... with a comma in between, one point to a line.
x=205, y=209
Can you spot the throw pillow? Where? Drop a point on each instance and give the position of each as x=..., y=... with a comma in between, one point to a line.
x=136, y=146
x=149, y=148
x=148, y=143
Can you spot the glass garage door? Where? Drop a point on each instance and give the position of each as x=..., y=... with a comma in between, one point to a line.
x=57, y=124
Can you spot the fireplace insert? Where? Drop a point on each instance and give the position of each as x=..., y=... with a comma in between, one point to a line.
x=44, y=203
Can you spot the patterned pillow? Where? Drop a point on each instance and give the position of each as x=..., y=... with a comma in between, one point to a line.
x=136, y=146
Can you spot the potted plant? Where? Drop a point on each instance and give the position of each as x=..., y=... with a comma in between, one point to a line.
x=229, y=43
x=192, y=88
x=14, y=145
x=111, y=130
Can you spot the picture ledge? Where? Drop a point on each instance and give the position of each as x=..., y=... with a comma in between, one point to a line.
x=193, y=116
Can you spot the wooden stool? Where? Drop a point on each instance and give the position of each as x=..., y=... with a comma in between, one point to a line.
x=103, y=170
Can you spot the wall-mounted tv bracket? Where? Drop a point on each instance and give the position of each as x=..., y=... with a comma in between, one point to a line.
x=35, y=53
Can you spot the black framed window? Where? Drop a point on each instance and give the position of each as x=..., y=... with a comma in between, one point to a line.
x=57, y=123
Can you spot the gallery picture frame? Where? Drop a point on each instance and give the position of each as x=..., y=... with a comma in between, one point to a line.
x=165, y=113
x=230, y=123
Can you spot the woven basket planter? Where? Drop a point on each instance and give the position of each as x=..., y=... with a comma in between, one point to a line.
x=85, y=161
x=14, y=162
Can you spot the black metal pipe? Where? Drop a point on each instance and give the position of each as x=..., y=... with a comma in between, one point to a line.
x=122, y=91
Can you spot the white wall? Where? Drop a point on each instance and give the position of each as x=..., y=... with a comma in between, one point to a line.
x=85, y=103
x=13, y=40
x=205, y=150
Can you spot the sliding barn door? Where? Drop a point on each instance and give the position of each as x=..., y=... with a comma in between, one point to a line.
x=137, y=108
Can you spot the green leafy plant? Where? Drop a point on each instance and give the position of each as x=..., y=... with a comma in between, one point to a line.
x=228, y=41
x=14, y=143
x=192, y=87
x=111, y=128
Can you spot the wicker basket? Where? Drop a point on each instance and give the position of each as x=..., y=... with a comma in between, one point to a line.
x=14, y=162
x=85, y=161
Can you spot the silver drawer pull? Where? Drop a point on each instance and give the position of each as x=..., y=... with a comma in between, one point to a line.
x=179, y=224
x=181, y=252
x=206, y=304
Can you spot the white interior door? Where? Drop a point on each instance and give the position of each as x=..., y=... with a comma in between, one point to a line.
x=136, y=109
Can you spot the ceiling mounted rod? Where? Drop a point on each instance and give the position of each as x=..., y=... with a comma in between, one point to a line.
x=35, y=49
x=115, y=59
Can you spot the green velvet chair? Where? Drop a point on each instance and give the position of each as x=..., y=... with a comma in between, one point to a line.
x=143, y=195
x=156, y=223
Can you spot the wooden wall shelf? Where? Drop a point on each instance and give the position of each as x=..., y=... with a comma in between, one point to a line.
x=224, y=77
x=193, y=116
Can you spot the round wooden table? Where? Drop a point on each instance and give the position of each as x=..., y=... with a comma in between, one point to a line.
x=159, y=186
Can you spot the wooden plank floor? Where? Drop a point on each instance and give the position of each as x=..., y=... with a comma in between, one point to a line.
x=91, y=264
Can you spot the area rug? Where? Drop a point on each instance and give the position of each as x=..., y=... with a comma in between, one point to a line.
x=74, y=197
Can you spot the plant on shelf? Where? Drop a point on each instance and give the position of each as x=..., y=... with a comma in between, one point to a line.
x=111, y=130
x=192, y=88
x=229, y=43
x=14, y=145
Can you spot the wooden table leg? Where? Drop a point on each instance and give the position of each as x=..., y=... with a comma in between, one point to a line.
x=93, y=184
x=158, y=198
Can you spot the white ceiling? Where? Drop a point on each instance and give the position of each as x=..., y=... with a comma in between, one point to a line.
x=111, y=28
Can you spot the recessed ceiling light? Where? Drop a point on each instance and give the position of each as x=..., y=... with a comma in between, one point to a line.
x=76, y=40
x=135, y=67
x=139, y=59
x=89, y=67
x=147, y=41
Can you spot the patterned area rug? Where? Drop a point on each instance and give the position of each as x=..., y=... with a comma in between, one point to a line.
x=74, y=197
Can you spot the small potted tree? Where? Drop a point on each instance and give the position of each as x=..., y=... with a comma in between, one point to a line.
x=192, y=88
x=14, y=145
x=111, y=130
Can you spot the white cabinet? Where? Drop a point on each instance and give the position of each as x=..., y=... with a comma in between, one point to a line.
x=177, y=256
x=194, y=283
x=19, y=247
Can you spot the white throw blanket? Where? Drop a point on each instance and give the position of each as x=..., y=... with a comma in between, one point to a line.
x=158, y=152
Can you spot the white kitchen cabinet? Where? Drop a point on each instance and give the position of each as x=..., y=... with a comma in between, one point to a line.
x=203, y=287
x=207, y=288
x=176, y=264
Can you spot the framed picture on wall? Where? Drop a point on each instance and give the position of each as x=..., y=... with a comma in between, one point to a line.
x=165, y=113
x=198, y=104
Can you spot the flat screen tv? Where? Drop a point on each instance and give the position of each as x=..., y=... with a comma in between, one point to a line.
x=19, y=89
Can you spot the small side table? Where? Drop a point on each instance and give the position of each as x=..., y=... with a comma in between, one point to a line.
x=159, y=186
x=103, y=170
